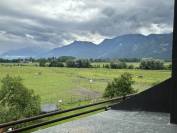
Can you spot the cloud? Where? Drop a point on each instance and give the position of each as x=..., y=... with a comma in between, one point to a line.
x=156, y=29
x=29, y=36
x=53, y=23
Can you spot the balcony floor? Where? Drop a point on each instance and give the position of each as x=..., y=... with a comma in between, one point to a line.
x=114, y=121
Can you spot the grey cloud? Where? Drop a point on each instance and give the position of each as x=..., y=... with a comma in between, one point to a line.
x=112, y=18
x=117, y=22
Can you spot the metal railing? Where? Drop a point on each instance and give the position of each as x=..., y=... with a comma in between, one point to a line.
x=21, y=121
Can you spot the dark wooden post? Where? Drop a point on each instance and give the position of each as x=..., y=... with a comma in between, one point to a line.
x=173, y=118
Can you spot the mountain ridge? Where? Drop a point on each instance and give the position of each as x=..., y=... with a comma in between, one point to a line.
x=124, y=46
x=24, y=52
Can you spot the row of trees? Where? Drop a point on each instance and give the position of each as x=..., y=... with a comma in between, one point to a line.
x=79, y=64
x=69, y=61
x=118, y=65
x=10, y=61
x=147, y=64
x=67, y=58
x=83, y=63
x=152, y=64
x=27, y=60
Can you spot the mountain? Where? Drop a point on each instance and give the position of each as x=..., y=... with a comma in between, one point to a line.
x=24, y=52
x=81, y=49
x=138, y=46
x=125, y=46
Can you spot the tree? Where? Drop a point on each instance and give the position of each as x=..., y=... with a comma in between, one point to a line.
x=121, y=86
x=56, y=64
x=78, y=63
x=106, y=66
x=70, y=63
x=16, y=100
x=131, y=67
x=65, y=58
x=82, y=63
x=118, y=65
x=170, y=66
x=152, y=64
x=42, y=62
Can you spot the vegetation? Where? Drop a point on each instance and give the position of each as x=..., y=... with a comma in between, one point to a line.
x=131, y=66
x=65, y=58
x=118, y=65
x=16, y=100
x=73, y=84
x=78, y=64
x=72, y=62
x=121, y=86
x=169, y=66
x=152, y=64
x=56, y=64
x=42, y=62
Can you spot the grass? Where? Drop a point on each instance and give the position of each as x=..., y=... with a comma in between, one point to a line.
x=73, y=84
x=70, y=84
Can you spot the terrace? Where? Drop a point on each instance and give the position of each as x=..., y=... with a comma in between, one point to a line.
x=114, y=121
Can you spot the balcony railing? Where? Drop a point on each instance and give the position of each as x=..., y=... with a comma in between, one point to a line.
x=104, y=105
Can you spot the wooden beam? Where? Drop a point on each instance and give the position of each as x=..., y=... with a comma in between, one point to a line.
x=173, y=118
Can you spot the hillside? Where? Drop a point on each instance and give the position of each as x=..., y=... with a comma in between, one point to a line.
x=125, y=46
x=24, y=52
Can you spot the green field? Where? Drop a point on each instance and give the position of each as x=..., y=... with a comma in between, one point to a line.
x=70, y=84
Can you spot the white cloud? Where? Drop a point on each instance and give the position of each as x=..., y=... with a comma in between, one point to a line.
x=93, y=37
x=2, y=32
x=155, y=29
x=29, y=36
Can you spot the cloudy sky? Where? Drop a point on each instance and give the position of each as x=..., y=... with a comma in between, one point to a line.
x=54, y=23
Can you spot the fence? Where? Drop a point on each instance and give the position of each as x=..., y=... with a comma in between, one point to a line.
x=106, y=104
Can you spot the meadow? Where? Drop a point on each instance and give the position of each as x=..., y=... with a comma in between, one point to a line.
x=70, y=84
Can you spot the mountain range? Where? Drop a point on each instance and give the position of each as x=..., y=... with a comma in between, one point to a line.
x=24, y=53
x=125, y=46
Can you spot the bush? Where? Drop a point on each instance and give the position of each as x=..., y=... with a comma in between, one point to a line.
x=42, y=63
x=106, y=66
x=56, y=64
x=97, y=66
x=16, y=100
x=152, y=64
x=131, y=67
x=70, y=63
x=65, y=58
x=82, y=63
x=170, y=66
x=79, y=64
x=118, y=65
x=121, y=86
